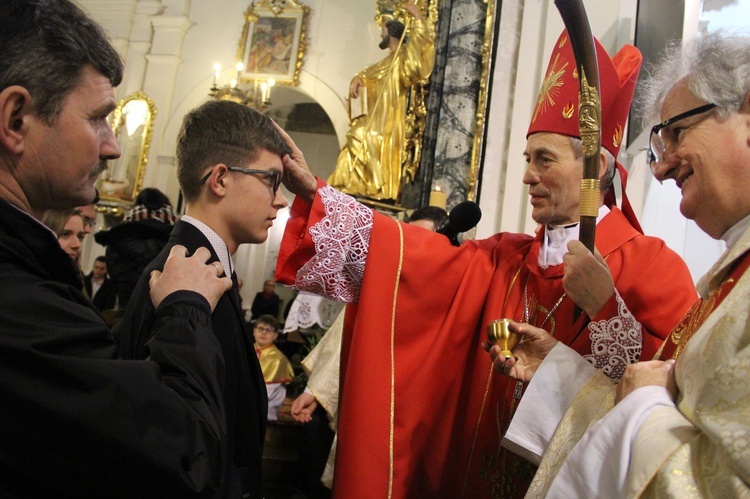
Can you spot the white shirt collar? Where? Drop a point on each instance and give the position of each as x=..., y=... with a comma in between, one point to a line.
x=556, y=239
x=735, y=232
x=218, y=244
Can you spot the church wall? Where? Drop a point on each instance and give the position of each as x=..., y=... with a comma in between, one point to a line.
x=170, y=47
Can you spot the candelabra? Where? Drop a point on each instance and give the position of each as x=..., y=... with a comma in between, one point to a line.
x=255, y=92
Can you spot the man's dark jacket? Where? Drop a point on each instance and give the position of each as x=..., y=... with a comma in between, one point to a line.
x=244, y=391
x=263, y=305
x=75, y=420
x=105, y=298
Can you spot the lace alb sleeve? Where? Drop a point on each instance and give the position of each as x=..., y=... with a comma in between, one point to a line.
x=615, y=343
x=342, y=240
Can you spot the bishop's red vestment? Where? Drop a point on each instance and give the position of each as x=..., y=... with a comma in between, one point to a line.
x=422, y=413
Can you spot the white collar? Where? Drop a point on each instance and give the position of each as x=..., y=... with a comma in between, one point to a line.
x=218, y=244
x=556, y=239
x=735, y=232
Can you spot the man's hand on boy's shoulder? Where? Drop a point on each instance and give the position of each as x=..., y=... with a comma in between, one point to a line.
x=189, y=273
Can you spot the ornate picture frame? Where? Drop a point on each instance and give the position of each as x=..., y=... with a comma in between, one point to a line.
x=273, y=41
x=132, y=122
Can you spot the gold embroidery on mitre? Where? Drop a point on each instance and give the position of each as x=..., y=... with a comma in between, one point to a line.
x=617, y=137
x=550, y=87
x=563, y=41
x=568, y=111
x=575, y=73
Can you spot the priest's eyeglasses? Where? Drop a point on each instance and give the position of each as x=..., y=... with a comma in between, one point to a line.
x=657, y=142
x=274, y=174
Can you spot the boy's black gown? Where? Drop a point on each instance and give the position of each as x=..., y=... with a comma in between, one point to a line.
x=244, y=391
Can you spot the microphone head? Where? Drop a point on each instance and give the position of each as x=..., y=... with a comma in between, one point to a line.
x=464, y=216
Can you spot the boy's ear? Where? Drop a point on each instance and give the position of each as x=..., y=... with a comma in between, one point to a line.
x=217, y=180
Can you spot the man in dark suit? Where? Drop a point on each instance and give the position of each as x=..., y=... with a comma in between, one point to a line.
x=266, y=302
x=99, y=288
x=229, y=169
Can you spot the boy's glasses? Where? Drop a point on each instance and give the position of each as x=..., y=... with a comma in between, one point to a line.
x=274, y=174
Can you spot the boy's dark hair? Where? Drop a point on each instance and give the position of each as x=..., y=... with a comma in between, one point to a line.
x=269, y=320
x=222, y=132
x=434, y=213
x=45, y=45
x=152, y=198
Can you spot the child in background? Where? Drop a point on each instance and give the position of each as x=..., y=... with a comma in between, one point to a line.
x=277, y=370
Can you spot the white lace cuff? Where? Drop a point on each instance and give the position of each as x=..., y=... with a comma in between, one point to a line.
x=615, y=343
x=342, y=240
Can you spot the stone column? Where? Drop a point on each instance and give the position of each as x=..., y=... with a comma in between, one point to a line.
x=163, y=62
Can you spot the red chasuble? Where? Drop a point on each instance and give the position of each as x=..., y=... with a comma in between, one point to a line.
x=421, y=412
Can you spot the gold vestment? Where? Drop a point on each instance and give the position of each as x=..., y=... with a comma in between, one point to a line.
x=701, y=447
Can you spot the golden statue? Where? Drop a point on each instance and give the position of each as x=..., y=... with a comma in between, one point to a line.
x=382, y=146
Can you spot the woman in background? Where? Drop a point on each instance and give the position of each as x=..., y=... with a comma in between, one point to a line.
x=68, y=226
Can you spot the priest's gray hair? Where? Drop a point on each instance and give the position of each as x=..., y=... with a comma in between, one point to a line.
x=715, y=66
x=609, y=176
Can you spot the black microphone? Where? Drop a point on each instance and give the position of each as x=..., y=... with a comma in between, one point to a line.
x=464, y=216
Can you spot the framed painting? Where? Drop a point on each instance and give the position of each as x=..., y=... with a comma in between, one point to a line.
x=272, y=44
x=132, y=123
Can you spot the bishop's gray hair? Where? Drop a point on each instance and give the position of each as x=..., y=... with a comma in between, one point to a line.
x=609, y=175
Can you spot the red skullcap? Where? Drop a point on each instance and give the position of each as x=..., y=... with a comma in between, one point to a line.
x=556, y=109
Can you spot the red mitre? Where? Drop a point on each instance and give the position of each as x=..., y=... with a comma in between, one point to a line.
x=556, y=108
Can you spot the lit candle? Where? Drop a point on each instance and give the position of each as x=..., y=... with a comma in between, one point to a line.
x=264, y=92
x=233, y=82
x=438, y=198
x=238, y=69
x=217, y=72
x=271, y=83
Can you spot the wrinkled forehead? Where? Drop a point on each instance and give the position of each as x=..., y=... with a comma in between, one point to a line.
x=678, y=100
x=548, y=142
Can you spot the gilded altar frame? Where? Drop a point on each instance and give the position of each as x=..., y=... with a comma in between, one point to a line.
x=477, y=151
x=132, y=123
